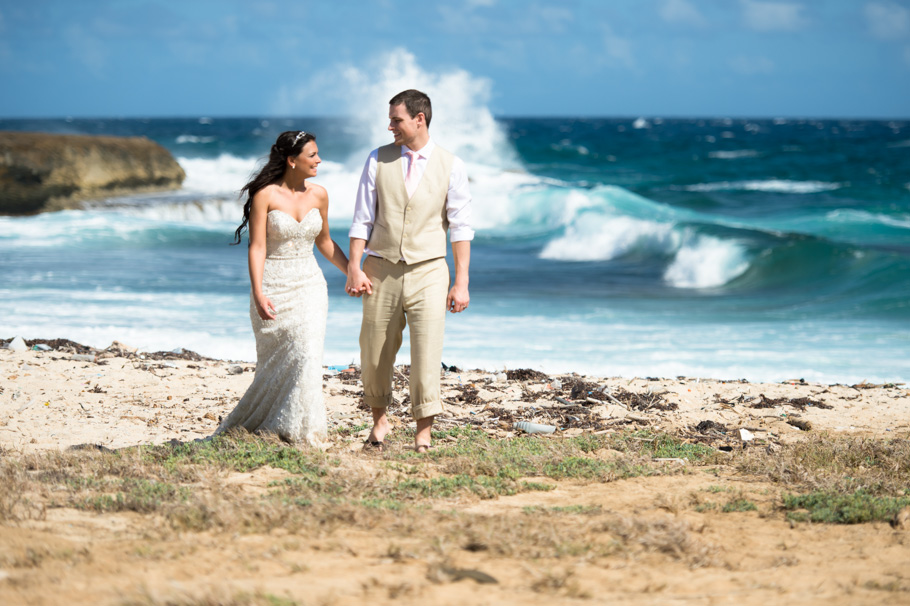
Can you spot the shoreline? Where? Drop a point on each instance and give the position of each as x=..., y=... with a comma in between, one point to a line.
x=71, y=395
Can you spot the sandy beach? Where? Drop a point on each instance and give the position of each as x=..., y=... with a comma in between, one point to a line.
x=117, y=398
x=675, y=533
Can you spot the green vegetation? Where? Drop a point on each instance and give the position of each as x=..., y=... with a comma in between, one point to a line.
x=826, y=479
x=855, y=508
x=739, y=505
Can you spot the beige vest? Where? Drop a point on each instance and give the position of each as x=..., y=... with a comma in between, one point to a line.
x=414, y=229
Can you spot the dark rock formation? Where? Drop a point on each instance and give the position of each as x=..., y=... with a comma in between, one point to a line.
x=42, y=171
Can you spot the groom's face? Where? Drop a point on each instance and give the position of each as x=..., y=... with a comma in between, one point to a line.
x=403, y=126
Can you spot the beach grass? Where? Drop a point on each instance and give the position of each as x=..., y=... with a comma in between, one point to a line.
x=444, y=509
x=831, y=479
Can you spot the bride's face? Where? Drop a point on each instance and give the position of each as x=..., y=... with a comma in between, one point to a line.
x=308, y=160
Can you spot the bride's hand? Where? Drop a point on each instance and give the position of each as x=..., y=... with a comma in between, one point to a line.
x=264, y=308
x=358, y=283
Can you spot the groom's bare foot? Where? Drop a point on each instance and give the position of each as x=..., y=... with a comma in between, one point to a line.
x=381, y=425
x=422, y=438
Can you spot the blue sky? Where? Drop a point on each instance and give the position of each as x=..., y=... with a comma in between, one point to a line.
x=815, y=58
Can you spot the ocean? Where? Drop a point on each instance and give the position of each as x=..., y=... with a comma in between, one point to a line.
x=764, y=250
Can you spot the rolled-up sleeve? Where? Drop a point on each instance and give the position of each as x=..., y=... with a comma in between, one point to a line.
x=365, y=203
x=458, y=203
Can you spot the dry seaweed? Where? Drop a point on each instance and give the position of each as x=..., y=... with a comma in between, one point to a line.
x=526, y=374
x=763, y=401
x=468, y=395
x=710, y=426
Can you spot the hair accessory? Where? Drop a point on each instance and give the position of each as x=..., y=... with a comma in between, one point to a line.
x=299, y=136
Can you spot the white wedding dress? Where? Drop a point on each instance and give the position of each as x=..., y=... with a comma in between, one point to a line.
x=285, y=397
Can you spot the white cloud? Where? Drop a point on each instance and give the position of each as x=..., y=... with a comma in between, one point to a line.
x=887, y=20
x=773, y=16
x=751, y=66
x=618, y=49
x=682, y=12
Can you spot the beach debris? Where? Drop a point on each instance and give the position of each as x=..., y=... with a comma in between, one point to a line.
x=580, y=390
x=500, y=377
x=763, y=401
x=709, y=426
x=41, y=347
x=83, y=357
x=795, y=382
x=98, y=447
x=526, y=374
x=534, y=427
x=865, y=385
x=458, y=574
x=799, y=423
x=469, y=394
x=235, y=370
x=745, y=435
x=121, y=349
x=637, y=419
x=17, y=344
x=350, y=375
x=556, y=384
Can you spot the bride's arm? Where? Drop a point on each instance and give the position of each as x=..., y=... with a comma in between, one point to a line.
x=259, y=214
x=324, y=242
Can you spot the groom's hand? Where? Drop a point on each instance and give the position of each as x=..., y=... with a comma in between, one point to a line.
x=458, y=299
x=358, y=283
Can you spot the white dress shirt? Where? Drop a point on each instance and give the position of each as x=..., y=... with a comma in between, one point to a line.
x=458, y=200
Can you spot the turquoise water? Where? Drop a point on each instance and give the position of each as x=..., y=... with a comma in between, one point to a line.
x=757, y=249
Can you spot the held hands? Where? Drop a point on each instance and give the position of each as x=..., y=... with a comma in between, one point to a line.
x=264, y=308
x=358, y=283
x=458, y=299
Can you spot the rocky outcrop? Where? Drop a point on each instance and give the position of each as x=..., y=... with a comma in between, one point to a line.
x=42, y=171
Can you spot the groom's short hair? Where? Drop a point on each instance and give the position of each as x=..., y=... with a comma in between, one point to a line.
x=415, y=102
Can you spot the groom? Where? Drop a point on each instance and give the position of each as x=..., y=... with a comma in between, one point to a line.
x=410, y=193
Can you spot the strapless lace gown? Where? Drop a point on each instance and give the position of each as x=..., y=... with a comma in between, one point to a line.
x=285, y=397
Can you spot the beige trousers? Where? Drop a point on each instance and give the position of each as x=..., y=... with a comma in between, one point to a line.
x=404, y=294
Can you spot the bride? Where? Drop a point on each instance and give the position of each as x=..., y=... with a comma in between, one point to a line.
x=288, y=297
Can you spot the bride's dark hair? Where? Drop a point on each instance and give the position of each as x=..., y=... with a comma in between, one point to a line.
x=288, y=144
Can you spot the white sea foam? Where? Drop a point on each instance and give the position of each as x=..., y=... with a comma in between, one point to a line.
x=226, y=174
x=862, y=216
x=596, y=237
x=210, y=212
x=777, y=186
x=193, y=139
x=706, y=262
x=222, y=175
x=641, y=123
x=462, y=121
x=733, y=154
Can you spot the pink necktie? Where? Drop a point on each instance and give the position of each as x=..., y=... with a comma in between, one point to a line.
x=411, y=180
